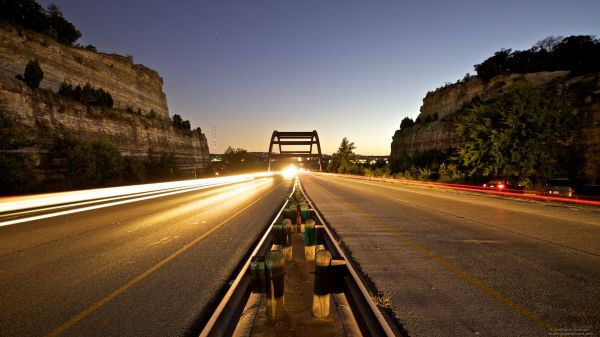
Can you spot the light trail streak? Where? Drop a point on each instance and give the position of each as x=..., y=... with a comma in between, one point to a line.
x=475, y=189
x=110, y=196
x=108, y=298
x=42, y=200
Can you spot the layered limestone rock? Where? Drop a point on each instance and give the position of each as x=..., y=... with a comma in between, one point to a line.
x=130, y=85
x=424, y=137
x=440, y=113
x=450, y=99
x=44, y=115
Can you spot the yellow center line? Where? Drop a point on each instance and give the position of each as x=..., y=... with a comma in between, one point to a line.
x=449, y=266
x=63, y=327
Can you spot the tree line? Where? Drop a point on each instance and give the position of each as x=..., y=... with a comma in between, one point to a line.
x=48, y=21
x=578, y=54
x=72, y=163
x=527, y=136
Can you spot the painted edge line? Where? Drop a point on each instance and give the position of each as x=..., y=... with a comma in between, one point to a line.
x=215, y=316
x=454, y=269
x=91, y=309
x=382, y=321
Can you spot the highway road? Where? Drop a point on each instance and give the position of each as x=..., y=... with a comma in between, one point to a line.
x=146, y=268
x=463, y=264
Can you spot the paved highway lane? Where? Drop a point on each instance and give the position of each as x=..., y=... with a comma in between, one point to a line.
x=149, y=268
x=458, y=264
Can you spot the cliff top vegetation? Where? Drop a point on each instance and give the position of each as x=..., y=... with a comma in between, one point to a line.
x=48, y=21
x=578, y=54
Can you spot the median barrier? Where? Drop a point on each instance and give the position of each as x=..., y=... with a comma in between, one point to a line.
x=268, y=296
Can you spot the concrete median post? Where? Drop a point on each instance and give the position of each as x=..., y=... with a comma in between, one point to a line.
x=257, y=270
x=337, y=273
x=275, y=283
x=319, y=237
x=278, y=236
x=321, y=303
x=287, y=239
x=291, y=212
x=309, y=240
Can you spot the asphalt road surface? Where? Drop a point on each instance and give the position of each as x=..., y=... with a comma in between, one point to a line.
x=149, y=268
x=461, y=264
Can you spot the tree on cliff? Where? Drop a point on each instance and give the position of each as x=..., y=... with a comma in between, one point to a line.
x=88, y=95
x=406, y=123
x=60, y=28
x=33, y=74
x=523, y=135
x=180, y=124
x=342, y=161
x=26, y=13
x=578, y=54
x=29, y=14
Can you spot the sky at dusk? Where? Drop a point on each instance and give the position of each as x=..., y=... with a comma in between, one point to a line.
x=344, y=68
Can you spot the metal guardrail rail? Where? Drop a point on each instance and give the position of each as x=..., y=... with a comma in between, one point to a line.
x=370, y=320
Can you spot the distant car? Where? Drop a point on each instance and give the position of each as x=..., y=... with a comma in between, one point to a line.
x=503, y=185
x=560, y=187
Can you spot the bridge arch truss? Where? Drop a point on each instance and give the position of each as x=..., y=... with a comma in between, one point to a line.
x=284, y=139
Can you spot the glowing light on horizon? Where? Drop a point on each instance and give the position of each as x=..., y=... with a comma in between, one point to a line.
x=290, y=172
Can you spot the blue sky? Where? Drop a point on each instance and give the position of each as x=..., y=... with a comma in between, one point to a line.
x=342, y=67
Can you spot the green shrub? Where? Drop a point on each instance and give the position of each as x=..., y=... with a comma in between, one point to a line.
x=450, y=173
x=524, y=135
x=94, y=163
x=88, y=95
x=134, y=170
x=160, y=167
x=424, y=173
x=17, y=173
x=33, y=74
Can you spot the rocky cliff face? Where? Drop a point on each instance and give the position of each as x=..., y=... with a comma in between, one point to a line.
x=440, y=113
x=131, y=85
x=435, y=129
x=450, y=99
x=44, y=115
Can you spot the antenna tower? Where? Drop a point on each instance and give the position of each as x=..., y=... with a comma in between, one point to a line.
x=215, y=139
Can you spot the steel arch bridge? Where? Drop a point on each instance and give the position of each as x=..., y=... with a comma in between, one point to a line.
x=283, y=139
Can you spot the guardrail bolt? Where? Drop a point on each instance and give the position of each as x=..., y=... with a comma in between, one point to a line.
x=275, y=283
x=320, y=303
